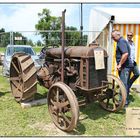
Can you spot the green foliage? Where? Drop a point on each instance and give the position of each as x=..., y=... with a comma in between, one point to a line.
x=39, y=43
x=84, y=42
x=5, y=39
x=73, y=37
x=29, y=42
x=19, y=42
x=48, y=22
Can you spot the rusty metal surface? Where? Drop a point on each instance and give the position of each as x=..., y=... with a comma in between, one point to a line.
x=90, y=78
x=76, y=52
x=63, y=106
x=114, y=97
x=75, y=68
x=63, y=45
x=23, y=80
x=83, y=51
x=87, y=72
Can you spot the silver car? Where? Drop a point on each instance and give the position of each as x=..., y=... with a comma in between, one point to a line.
x=12, y=49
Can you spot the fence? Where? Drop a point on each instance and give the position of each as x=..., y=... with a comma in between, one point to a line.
x=49, y=38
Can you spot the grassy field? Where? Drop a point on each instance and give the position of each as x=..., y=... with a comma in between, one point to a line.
x=36, y=49
x=2, y=49
x=36, y=121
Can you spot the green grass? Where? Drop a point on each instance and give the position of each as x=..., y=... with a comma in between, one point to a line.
x=36, y=121
x=36, y=49
x=2, y=49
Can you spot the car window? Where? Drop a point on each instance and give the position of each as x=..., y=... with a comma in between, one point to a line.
x=12, y=50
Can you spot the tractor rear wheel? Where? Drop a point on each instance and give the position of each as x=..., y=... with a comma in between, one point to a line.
x=114, y=97
x=23, y=79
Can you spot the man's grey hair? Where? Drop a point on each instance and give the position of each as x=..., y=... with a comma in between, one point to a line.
x=116, y=32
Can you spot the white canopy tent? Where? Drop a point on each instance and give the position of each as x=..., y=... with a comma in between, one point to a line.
x=100, y=18
x=105, y=20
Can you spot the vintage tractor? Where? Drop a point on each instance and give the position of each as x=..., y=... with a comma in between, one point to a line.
x=74, y=76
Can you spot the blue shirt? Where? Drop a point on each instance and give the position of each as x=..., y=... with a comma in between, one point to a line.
x=123, y=47
x=132, y=48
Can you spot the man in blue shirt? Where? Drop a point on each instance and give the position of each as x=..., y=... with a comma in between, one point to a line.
x=135, y=69
x=124, y=63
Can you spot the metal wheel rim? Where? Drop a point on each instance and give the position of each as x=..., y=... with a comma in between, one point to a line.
x=118, y=97
x=21, y=86
x=61, y=117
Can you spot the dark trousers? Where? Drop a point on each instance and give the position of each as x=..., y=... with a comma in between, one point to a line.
x=124, y=75
x=136, y=74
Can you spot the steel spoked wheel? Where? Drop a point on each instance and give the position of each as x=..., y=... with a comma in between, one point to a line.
x=63, y=106
x=23, y=79
x=114, y=97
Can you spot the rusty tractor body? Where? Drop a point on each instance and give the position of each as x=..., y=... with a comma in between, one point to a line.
x=74, y=77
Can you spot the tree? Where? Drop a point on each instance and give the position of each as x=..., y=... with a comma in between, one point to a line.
x=30, y=42
x=4, y=38
x=39, y=43
x=19, y=42
x=85, y=37
x=2, y=30
x=72, y=36
x=48, y=22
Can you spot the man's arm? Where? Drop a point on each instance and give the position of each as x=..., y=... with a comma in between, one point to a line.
x=122, y=61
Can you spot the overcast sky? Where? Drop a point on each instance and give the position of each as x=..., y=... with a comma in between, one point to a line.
x=23, y=17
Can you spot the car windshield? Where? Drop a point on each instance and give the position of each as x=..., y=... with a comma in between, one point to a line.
x=12, y=50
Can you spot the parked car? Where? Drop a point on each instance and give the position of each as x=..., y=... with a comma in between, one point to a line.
x=12, y=49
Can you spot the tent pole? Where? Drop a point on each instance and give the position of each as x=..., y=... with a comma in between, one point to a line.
x=110, y=48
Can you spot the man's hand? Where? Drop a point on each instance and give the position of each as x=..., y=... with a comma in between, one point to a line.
x=122, y=61
x=119, y=67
